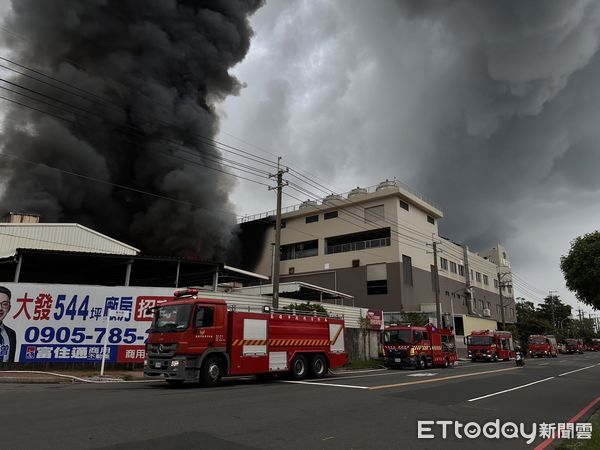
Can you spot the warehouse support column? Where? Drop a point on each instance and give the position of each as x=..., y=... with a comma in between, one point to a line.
x=18, y=270
x=128, y=272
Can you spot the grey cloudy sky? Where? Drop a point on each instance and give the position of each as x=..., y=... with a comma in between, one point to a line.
x=491, y=108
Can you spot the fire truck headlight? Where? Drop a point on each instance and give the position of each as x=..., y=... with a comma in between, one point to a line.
x=145, y=362
x=177, y=363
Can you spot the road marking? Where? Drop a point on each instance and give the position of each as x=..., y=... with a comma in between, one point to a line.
x=422, y=374
x=359, y=371
x=573, y=371
x=312, y=383
x=573, y=419
x=509, y=390
x=434, y=380
x=392, y=372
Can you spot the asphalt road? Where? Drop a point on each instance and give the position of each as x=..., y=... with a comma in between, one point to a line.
x=360, y=410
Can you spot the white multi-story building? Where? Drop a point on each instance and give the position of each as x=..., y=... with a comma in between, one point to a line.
x=376, y=244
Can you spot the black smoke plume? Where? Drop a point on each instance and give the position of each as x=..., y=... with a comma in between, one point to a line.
x=133, y=106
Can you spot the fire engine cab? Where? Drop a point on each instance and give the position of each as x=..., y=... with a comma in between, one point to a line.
x=542, y=346
x=490, y=345
x=196, y=339
x=594, y=345
x=574, y=346
x=418, y=347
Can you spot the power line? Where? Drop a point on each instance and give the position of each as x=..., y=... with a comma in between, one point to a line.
x=181, y=147
x=120, y=186
x=204, y=139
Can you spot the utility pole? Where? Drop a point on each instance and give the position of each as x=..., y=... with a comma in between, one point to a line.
x=470, y=306
x=438, y=309
x=552, y=306
x=277, y=256
x=500, y=286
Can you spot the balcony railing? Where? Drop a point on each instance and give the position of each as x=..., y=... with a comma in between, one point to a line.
x=360, y=245
x=299, y=254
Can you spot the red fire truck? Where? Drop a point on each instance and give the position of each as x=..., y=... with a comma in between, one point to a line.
x=490, y=345
x=195, y=339
x=418, y=347
x=542, y=346
x=594, y=345
x=574, y=346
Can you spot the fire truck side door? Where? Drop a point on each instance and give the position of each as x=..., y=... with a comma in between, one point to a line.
x=204, y=330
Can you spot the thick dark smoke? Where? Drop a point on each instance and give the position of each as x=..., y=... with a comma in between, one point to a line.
x=158, y=67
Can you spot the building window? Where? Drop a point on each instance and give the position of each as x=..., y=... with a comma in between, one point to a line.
x=498, y=310
x=330, y=215
x=452, y=267
x=481, y=304
x=486, y=280
x=461, y=270
x=512, y=312
x=300, y=250
x=374, y=213
x=495, y=283
x=376, y=279
x=356, y=263
x=431, y=220
x=489, y=305
x=311, y=219
x=471, y=274
x=407, y=270
x=478, y=277
x=358, y=241
x=509, y=289
x=443, y=263
x=403, y=205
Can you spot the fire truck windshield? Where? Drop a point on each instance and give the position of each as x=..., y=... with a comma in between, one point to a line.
x=479, y=340
x=537, y=341
x=171, y=318
x=396, y=337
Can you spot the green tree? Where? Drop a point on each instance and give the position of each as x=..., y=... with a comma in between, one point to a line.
x=306, y=307
x=530, y=321
x=554, y=311
x=415, y=319
x=581, y=268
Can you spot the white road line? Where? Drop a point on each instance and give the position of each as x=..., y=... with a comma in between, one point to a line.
x=312, y=383
x=511, y=389
x=573, y=371
x=335, y=372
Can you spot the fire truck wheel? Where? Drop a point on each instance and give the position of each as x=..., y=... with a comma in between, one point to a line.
x=495, y=358
x=299, y=368
x=446, y=363
x=421, y=363
x=318, y=366
x=211, y=372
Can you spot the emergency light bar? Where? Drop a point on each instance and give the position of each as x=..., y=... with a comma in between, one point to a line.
x=189, y=292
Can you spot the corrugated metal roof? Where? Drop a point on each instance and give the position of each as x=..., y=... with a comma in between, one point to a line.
x=58, y=236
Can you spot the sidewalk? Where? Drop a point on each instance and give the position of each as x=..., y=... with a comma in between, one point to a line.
x=62, y=376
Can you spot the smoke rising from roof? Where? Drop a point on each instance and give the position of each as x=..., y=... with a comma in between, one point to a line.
x=157, y=68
